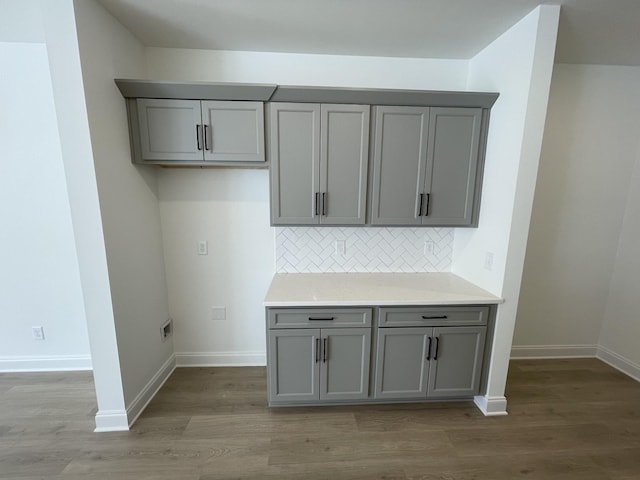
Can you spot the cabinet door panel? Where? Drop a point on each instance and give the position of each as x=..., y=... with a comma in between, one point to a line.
x=293, y=366
x=399, y=165
x=344, y=159
x=345, y=363
x=401, y=363
x=168, y=129
x=455, y=370
x=295, y=159
x=235, y=131
x=454, y=138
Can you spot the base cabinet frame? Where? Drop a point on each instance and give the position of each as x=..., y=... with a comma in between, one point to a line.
x=324, y=355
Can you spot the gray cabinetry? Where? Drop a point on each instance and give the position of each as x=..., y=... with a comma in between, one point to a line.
x=425, y=165
x=309, y=364
x=430, y=362
x=195, y=132
x=319, y=159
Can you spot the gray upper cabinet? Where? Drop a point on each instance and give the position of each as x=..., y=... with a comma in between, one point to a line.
x=425, y=165
x=169, y=129
x=194, y=132
x=399, y=165
x=233, y=131
x=452, y=165
x=319, y=160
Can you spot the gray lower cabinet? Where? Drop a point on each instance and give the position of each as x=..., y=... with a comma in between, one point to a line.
x=319, y=159
x=307, y=365
x=169, y=131
x=426, y=166
x=425, y=362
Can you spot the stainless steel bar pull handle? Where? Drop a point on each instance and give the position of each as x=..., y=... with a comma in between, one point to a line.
x=206, y=143
x=317, y=350
x=198, y=137
x=324, y=350
x=429, y=349
x=433, y=317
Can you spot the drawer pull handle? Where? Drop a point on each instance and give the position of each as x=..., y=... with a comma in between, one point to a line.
x=323, y=319
x=429, y=349
x=433, y=317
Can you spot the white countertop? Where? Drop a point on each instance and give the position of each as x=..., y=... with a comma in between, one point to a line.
x=361, y=289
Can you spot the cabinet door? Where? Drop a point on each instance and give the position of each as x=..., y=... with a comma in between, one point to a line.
x=399, y=165
x=456, y=362
x=454, y=139
x=170, y=129
x=344, y=156
x=293, y=365
x=401, y=362
x=234, y=131
x=295, y=163
x=345, y=363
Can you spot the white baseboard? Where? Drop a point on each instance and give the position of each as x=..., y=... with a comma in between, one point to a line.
x=221, y=359
x=618, y=362
x=491, y=406
x=54, y=363
x=111, y=421
x=137, y=406
x=553, y=351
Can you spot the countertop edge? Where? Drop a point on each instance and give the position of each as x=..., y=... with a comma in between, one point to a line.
x=381, y=303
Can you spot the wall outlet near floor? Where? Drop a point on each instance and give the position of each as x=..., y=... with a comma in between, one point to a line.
x=488, y=261
x=166, y=330
x=218, y=313
x=203, y=247
x=38, y=333
x=429, y=248
x=341, y=247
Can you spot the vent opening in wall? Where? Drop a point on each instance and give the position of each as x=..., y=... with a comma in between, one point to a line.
x=166, y=330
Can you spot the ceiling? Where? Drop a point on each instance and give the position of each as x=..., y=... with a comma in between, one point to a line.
x=591, y=31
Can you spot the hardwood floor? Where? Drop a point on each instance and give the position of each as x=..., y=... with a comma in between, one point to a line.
x=569, y=419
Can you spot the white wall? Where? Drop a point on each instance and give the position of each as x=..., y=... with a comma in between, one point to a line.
x=589, y=149
x=39, y=277
x=73, y=126
x=128, y=206
x=621, y=326
x=305, y=69
x=518, y=65
x=230, y=208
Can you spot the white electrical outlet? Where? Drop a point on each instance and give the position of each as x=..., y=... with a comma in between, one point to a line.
x=341, y=247
x=203, y=247
x=218, y=313
x=488, y=261
x=429, y=248
x=38, y=333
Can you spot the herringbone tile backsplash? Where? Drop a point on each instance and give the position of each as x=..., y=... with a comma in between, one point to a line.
x=313, y=250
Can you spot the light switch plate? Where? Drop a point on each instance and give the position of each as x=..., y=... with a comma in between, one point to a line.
x=218, y=313
x=203, y=247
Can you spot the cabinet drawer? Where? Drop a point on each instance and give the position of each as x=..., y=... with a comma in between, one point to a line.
x=432, y=316
x=318, y=317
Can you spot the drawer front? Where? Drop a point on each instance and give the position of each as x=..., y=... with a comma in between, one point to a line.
x=318, y=317
x=432, y=316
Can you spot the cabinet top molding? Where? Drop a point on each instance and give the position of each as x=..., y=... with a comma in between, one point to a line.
x=302, y=94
